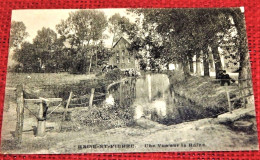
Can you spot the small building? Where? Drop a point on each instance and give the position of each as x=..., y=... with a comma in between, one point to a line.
x=122, y=57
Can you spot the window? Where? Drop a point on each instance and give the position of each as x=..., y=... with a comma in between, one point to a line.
x=128, y=60
x=117, y=53
x=123, y=51
x=117, y=60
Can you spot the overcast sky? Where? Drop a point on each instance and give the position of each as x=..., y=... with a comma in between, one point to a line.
x=35, y=19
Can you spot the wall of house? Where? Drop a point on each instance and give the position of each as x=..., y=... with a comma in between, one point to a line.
x=122, y=58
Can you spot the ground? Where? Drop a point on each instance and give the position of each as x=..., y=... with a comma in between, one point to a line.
x=204, y=134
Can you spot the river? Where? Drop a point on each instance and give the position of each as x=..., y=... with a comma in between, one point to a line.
x=152, y=97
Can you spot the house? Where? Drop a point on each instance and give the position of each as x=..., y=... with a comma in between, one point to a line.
x=122, y=57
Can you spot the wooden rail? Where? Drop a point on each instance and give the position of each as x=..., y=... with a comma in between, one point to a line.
x=241, y=95
x=40, y=116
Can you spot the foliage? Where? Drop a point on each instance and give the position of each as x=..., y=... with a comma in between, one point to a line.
x=142, y=64
x=114, y=74
x=42, y=55
x=28, y=58
x=188, y=31
x=105, y=117
x=17, y=34
x=45, y=46
x=83, y=30
x=118, y=26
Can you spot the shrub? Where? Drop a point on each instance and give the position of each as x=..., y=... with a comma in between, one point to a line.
x=114, y=74
x=104, y=117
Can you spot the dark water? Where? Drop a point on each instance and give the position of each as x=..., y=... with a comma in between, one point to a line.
x=152, y=97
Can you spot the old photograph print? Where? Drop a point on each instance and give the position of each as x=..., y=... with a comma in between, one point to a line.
x=128, y=80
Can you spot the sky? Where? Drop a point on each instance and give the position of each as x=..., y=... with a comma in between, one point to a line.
x=36, y=19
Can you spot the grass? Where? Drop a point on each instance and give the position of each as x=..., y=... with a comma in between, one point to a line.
x=53, y=85
x=203, y=91
x=39, y=79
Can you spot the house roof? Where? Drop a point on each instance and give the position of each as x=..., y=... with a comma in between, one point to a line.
x=123, y=39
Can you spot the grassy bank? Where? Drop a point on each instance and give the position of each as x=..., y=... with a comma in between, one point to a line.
x=203, y=91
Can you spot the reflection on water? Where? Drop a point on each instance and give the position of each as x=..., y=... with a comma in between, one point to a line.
x=152, y=97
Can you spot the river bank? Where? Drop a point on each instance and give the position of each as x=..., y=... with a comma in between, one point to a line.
x=204, y=92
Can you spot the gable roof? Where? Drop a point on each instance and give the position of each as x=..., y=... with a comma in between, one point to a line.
x=123, y=39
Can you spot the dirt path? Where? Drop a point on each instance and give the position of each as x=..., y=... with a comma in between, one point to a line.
x=205, y=134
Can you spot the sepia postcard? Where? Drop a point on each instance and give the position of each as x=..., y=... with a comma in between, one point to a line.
x=128, y=80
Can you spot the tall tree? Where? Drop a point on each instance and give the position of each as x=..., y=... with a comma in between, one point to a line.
x=80, y=29
x=28, y=58
x=244, y=66
x=206, y=61
x=45, y=45
x=118, y=25
x=17, y=34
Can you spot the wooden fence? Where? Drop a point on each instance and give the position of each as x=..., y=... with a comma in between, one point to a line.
x=41, y=116
x=86, y=100
x=44, y=104
x=242, y=95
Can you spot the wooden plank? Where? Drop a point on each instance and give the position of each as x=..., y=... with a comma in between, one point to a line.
x=33, y=100
x=44, y=99
x=9, y=88
x=91, y=97
x=67, y=106
x=40, y=100
x=55, y=99
x=20, y=114
x=51, y=99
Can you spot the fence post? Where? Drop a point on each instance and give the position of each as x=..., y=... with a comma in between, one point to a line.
x=241, y=94
x=20, y=114
x=41, y=121
x=67, y=106
x=91, y=97
x=229, y=102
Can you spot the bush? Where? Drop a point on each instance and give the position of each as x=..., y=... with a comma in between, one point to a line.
x=104, y=117
x=114, y=74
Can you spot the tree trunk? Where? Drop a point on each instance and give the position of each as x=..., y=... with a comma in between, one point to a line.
x=186, y=69
x=96, y=58
x=90, y=63
x=244, y=67
x=217, y=60
x=198, y=68
x=191, y=64
x=206, y=61
x=176, y=66
x=211, y=62
x=113, y=40
x=180, y=66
